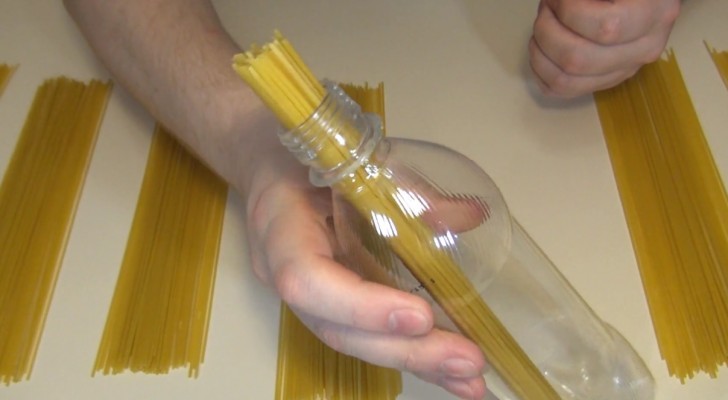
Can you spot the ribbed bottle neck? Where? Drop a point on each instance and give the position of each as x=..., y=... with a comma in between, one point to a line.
x=336, y=139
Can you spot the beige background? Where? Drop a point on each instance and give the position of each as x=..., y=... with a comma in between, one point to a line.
x=454, y=74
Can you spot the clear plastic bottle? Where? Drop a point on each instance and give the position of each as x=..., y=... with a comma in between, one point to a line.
x=580, y=356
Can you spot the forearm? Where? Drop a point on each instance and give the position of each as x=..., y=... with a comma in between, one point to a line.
x=175, y=58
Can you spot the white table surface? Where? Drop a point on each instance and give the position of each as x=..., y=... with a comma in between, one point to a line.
x=455, y=74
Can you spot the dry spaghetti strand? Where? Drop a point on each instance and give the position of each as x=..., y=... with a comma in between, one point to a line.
x=6, y=72
x=285, y=84
x=38, y=198
x=370, y=99
x=160, y=311
x=307, y=368
x=720, y=58
x=677, y=212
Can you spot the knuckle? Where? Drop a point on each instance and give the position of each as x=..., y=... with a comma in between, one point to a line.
x=357, y=318
x=333, y=338
x=572, y=63
x=559, y=84
x=627, y=75
x=672, y=12
x=410, y=363
x=653, y=54
x=539, y=24
x=260, y=271
x=289, y=285
x=610, y=30
x=533, y=50
x=656, y=48
x=258, y=210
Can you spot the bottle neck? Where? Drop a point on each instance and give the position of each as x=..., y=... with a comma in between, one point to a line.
x=336, y=139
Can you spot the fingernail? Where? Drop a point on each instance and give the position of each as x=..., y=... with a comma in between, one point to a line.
x=459, y=368
x=408, y=321
x=461, y=389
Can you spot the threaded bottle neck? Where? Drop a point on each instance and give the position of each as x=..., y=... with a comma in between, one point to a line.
x=336, y=139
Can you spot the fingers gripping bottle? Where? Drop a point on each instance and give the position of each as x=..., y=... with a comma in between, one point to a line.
x=579, y=355
x=425, y=219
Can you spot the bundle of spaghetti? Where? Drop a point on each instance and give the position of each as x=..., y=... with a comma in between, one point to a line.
x=307, y=368
x=310, y=370
x=281, y=79
x=677, y=213
x=720, y=58
x=160, y=310
x=38, y=197
x=370, y=99
x=6, y=71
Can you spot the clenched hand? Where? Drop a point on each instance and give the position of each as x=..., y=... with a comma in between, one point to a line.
x=580, y=46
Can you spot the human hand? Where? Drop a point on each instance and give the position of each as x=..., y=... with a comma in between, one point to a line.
x=291, y=248
x=580, y=46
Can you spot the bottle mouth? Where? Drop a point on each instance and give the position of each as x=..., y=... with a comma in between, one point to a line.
x=336, y=139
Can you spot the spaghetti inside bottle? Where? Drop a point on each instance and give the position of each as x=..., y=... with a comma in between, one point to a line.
x=579, y=355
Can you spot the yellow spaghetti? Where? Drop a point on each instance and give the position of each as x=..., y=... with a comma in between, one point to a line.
x=6, y=72
x=720, y=58
x=38, y=198
x=160, y=311
x=677, y=212
x=310, y=370
x=370, y=99
x=279, y=76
